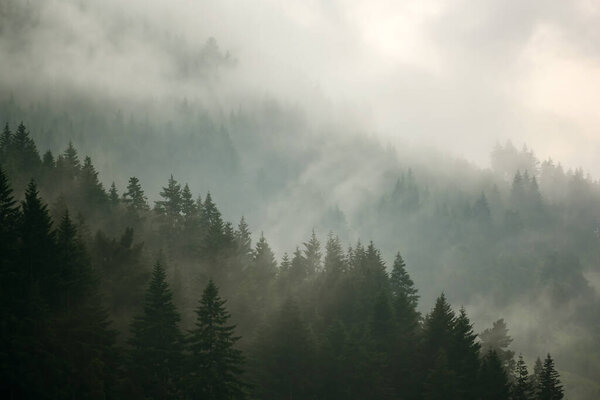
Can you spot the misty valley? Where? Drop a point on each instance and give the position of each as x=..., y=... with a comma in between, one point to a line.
x=264, y=200
x=106, y=296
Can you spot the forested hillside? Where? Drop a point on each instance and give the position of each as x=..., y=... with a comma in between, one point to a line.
x=107, y=296
x=350, y=143
x=514, y=241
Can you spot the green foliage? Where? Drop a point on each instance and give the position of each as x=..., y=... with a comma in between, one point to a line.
x=156, y=354
x=214, y=364
x=549, y=386
x=134, y=197
x=493, y=379
x=352, y=332
x=522, y=388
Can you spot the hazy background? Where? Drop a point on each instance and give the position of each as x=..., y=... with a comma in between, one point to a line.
x=309, y=111
x=454, y=74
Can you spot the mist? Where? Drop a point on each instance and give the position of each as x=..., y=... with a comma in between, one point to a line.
x=399, y=123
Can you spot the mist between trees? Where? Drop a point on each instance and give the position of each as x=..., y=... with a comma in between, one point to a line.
x=106, y=296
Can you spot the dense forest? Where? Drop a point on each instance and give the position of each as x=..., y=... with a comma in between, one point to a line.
x=361, y=150
x=107, y=296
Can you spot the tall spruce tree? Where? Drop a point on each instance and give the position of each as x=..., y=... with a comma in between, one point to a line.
x=214, y=364
x=312, y=254
x=464, y=356
x=522, y=388
x=550, y=387
x=156, y=354
x=38, y=245
x=170, y=206
x=134, y=197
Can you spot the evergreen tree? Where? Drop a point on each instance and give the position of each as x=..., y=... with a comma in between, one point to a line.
x=243, y=242
x=38, y=247
x=74, y=278
x=298, y=268
x=10, y=292
x=5, y=141
x=25, y=158
x=464, y=356
x=550, y=387
x=264, y=264
x=113, y=195
x=536, y=377
x=171, y=205
x=405, y=296
x=312, y=254
x=134, y=196
x=91, y=188
x=188, y=206
x=522, y=388
x=334, y=263
x=493, y=379
x=156, y=342
x=80, y=325
x=68, y=164
x=215, y=365
x=212, y=224
x=285, y=265
x=438, y=334
x=9, y=211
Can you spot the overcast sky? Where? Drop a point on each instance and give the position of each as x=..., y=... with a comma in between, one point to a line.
x=459, y=75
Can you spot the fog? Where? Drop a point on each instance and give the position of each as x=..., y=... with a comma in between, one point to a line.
x=304, y=115
x=459, y=75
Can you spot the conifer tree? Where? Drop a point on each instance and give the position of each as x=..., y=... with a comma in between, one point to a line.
x=522, y=388
x=243, y=241
x=215, y=365
x=212, y=224
x=69, y=164
x=334, y=263
x=464, y=356
x=92, y=189
x=156, y=343
x=74, y=278
x=405, y=297
x=188, y=206
x=9, y=211
x=298, y=268
x=550, y=387
x=5, y=140
x=80, y=323
x=113, y=195
x=25, y=157
x=536, y=377
x=134, y=196
x=48, y=161
x=285, y=264
x=264, y=266
x=38, y=247
x=493, y=379
x=438, y=333
x=171, y=205
x=312, y=254
x=9, y=271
